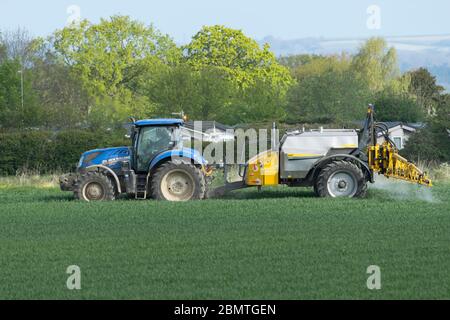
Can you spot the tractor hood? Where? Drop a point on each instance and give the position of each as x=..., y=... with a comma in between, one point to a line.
x=110, y=157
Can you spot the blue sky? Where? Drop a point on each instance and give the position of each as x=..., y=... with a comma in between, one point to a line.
x=287, y=19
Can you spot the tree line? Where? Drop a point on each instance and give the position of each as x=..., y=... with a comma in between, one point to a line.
x=101, y=74
x=98, y=75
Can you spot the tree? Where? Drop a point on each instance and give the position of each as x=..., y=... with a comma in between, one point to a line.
x=12, y=114
x=3, y=55
x=296, y=61
x=240, y=57
x=17, y=45
x=432, y=143
x=424, y=86
x=60, y=92
x=261, y=102
x=376, y=64
x=173, y=89
x=217, y=95
x=16, y=53
x=392, y=106
x=202, y=95
x=111, y=57
x=441, y=126
x=328, y=91
x=421, y=146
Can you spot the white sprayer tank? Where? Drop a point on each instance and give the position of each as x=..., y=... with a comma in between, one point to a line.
x=301, y=150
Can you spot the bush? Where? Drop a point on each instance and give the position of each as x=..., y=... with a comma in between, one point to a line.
x=429, y=144
x=46, y=151
x=25, y=150
x=442, y=172
x=69, y=145
x=398, y=107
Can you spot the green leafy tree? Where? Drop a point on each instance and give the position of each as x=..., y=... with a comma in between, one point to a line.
x=173, y=89
x=376, y=64
x=3, y=55
x=296, y=61
x=328, y=91
x=240, y=57
x=202, y=95
x=216, y=94
x=421, y=146
x=62, y=93
x=424, y=86
x=12, y=114
x=432, y=143
x=110, y=57
x=441, y=126
x=392, y=106
x=261, y=102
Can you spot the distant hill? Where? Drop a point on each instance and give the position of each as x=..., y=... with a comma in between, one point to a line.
x=431, y=52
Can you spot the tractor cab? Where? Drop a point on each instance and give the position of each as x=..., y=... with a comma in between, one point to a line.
x=152, y=137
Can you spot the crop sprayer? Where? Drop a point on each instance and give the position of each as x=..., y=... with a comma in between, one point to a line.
x=335, y=162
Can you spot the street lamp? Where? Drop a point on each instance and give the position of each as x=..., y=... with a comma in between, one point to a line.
x=21, y=85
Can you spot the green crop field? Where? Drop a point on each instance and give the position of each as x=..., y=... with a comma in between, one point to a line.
x=278, y=244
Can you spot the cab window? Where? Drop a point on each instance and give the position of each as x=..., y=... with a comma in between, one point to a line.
x=154, y=140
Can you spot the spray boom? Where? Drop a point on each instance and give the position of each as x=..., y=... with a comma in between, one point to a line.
x=384, y=158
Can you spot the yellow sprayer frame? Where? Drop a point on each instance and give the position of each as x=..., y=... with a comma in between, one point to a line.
x=384, y=159
x=263, y=169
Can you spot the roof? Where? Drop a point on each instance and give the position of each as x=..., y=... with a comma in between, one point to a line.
x=409, y=126
x=158, y=122
x=206, y=125
x=392, y=124
x=405, y=126
x=417, y=126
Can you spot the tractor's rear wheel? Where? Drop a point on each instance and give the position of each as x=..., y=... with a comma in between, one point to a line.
x=341, y=179
x=94, y=186
x=178, y=182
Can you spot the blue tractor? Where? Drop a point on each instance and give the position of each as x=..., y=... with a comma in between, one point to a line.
x=155, y=166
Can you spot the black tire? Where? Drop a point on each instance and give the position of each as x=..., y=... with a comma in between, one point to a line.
x=363, y=191
x=94, y=186
x=190, y=186
x=354, y=183
x=316, y=193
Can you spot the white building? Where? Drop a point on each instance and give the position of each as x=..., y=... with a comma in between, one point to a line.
x=400, y=132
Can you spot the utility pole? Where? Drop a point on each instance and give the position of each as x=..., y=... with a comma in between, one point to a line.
x=21, y=91
x=21, y=86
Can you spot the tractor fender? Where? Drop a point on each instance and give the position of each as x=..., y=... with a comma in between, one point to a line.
x=324, y=161
x=109, y=170
x=184, y=153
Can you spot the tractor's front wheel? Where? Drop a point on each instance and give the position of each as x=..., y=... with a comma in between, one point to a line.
x=178, y=182
x=341, y=179
x=94, y=186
